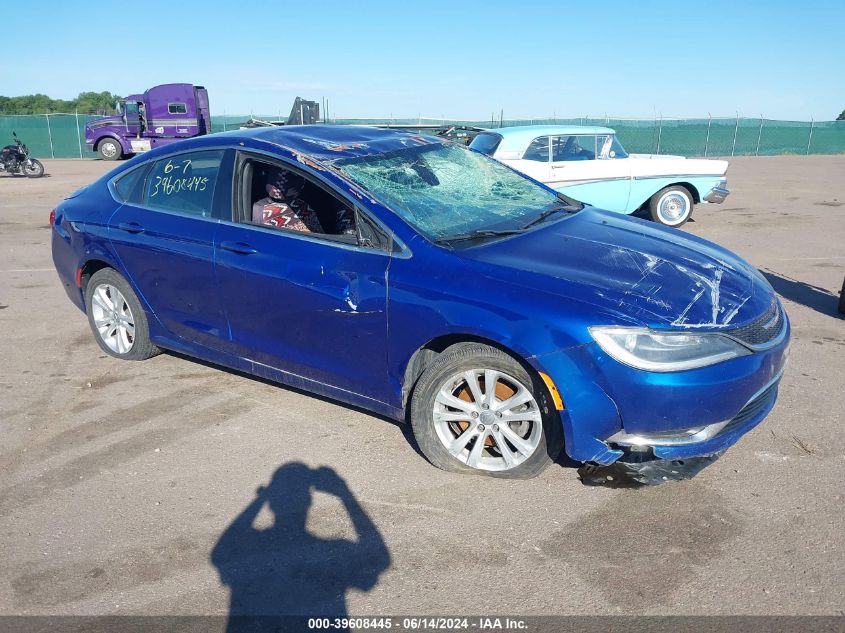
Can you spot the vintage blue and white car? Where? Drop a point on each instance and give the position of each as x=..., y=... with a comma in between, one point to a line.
x=590, y=165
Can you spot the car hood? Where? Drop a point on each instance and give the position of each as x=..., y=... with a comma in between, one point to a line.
x=637, y=271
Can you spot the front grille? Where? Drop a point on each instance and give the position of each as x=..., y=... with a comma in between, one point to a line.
x=753, y=408
x=762, y=330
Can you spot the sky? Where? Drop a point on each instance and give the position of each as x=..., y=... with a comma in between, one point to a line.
x=458, y=59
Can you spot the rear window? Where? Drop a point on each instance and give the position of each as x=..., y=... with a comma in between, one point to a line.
x=486, y=143
x=184, y=183
x=128, y=186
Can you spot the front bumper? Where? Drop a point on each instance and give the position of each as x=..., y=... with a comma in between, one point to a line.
x=718, y=193
x=612, y=410
x=649, y=472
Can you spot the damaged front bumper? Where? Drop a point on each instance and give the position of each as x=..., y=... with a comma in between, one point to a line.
x=615, y=413
x=647, y=472
x=647, y=464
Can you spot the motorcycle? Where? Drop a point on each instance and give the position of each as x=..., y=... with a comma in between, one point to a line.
x=15, y=160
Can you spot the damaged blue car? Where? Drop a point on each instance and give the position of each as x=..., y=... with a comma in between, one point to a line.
x=427, y=282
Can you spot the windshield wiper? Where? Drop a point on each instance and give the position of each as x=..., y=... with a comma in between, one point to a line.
x=566, y=207
x=473, y=235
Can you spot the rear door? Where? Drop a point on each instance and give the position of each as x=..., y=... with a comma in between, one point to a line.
x=164, y=237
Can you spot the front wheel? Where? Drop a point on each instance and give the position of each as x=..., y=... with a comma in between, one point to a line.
x=671, y=206
x=110, y=149
x=477, y=410
x=33, y=168
x=117, y=319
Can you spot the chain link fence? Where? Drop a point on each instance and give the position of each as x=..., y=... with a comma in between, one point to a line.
x=63, y=135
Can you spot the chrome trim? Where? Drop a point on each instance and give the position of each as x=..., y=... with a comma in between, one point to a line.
x=311, y=380
x=656, y=176
x=171, y=122
x=584, y=181
x=687, y=436
x=718, y=193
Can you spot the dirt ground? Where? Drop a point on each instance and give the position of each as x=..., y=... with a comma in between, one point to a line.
x=121, y=483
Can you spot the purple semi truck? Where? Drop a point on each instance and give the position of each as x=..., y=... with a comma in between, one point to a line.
x=161, y=115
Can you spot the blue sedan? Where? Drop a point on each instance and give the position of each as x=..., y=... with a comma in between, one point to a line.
x=416, y=278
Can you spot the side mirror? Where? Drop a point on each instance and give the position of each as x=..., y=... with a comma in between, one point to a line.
x=612, y=154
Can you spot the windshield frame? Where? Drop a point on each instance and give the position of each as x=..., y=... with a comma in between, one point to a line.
x=534, y=218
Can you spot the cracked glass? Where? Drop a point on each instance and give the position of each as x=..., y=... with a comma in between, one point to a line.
x=445, y=190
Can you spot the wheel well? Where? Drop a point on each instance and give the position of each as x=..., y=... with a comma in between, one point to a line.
x=91, y=266
x=426, y=355
x=691, y=188
x=693, y=192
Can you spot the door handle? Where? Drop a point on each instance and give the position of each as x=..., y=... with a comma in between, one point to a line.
x=131, y=227
x=238, y=247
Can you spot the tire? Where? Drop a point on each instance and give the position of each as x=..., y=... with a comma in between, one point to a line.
x=110, y=149
x=443, y=393
x=671, y=206
x=33, y=169
x=107, y=296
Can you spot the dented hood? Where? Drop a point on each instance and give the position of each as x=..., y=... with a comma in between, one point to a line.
x=644, y=273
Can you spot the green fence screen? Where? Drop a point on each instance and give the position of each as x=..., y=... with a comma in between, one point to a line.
x=63, y=135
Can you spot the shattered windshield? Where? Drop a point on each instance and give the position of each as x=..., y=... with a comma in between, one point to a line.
x=448, y=190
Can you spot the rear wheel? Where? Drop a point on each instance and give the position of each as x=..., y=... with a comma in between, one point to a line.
x=671, y=206
x=110, y=149
x=477, y=410
x=33, y=168
x=116, y=317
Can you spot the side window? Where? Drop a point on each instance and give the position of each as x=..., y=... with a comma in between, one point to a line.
x=128, y=185
x=603, y=145
x=538, y=150
x=280, y=198
x=575, y=147
x=177, y=108
x=183, y=183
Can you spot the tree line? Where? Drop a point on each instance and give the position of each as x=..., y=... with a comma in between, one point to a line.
x=85, y=103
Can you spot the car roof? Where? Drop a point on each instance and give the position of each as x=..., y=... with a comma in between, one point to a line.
x=517, y=138
x=332, y=142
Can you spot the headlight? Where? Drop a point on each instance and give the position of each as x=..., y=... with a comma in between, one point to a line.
x=666, y=351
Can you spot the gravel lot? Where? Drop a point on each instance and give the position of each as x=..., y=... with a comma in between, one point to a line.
x=118, y=480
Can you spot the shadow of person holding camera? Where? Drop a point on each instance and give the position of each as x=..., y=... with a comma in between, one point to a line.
x=286, y=571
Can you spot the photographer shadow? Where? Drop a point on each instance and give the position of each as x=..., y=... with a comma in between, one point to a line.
x=284, y=570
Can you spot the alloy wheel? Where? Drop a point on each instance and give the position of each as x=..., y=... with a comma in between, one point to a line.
x=113, y=318
x=487, y=419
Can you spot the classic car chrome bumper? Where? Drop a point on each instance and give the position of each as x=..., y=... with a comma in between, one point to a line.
x=718, y=193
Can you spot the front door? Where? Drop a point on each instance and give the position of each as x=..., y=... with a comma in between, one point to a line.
x=308, y=303
x=583, y=169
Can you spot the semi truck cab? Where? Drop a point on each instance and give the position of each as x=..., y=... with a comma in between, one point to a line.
x=161, y=115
